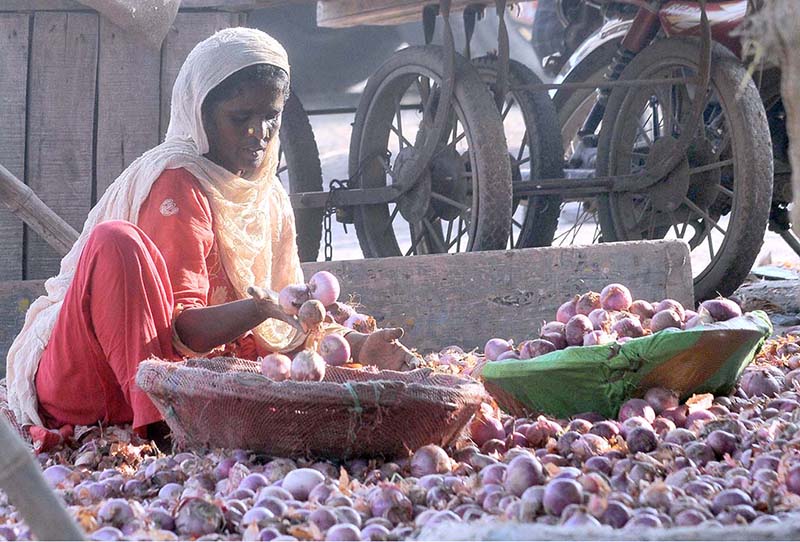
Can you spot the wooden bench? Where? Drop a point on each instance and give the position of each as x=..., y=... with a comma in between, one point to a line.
x=466, y=299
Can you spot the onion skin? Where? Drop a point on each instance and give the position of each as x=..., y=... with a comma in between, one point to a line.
x=276, y=367
x=641, y=308
x=308, y=366
x=596, y=337
x=324, y=287
x=535, y=348
x=340, y=312
x=757, y=382
x=587, y=303
x=553, y=327
x=615, y=297
x=628, y=327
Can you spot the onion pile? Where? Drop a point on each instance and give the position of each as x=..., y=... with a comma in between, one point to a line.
x=612, y=315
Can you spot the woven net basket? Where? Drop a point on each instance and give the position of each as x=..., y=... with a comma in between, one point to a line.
x=227, y=402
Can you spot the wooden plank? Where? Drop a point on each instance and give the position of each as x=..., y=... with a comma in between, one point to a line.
x=15, y=298
x=14, y=33
x=466, y=299
x=61, y=124
x=347, y=13
x=187, y=31
x=42, y=5
x=239, y=5
x=127, y=102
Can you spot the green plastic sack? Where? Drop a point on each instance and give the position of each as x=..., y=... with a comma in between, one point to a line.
x=706, y=359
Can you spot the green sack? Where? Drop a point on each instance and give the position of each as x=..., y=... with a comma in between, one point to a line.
x=705, y=359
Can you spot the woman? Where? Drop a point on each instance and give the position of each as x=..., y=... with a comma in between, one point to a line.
x=165, y=258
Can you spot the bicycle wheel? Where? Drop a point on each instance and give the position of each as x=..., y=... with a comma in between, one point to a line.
x=462, y=201
x=718, y=198
x=299, y=170
x=534, y=147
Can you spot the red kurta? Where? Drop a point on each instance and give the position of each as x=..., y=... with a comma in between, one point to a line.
x=130, y=284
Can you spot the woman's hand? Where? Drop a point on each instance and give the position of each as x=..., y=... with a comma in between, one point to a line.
x=269, y=307
x=382, y=349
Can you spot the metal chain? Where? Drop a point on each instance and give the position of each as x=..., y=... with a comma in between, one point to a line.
x=330, y=208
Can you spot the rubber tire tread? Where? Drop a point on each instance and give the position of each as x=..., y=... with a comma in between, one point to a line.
x=544, y=142
x=489, y=143
x=747, y=118
x=305, y=174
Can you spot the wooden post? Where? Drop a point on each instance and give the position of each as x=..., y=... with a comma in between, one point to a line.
x=25, y=204
x=22, y=480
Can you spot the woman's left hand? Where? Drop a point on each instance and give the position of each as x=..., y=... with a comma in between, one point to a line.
x=383, y=349
x=269, y=307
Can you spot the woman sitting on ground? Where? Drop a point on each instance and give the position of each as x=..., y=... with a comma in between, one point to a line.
x=165, y=258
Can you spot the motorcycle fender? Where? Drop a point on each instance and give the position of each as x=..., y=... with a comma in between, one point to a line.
x=613, y=30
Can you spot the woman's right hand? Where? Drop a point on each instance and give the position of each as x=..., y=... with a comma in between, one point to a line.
x=269, y=307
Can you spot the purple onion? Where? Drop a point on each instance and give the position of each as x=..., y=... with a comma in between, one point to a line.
x=616, y=514
x=116, y=512
x=722, y=442
x=197, y=517
x=375, y=532
x=522, y=473
x=107, y=533
x=615, y=297
x=636, y=407
x=578, y=326
x=343, y=532
x=560, y=493
x=389, y=502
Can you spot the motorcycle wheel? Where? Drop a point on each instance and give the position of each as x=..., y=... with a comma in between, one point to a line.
x=718, y=198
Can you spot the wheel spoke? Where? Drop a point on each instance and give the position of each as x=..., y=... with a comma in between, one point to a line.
x=710, y=243
x=693, y=206
x=727, y=191
x=643, y=133
x=457, y=240
x=449, y=231
x=523, y=145
x=711, y=167
x=401, y=139
x=399, y=130
x=508, y=107
x=445, y=199
x=415, y=242
x=282, y=169
x=391, y=220
x=434, y=235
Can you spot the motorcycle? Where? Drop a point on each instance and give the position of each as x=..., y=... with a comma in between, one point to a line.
x=718, y=196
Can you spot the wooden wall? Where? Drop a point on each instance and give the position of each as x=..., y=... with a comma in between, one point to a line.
x=80, y=99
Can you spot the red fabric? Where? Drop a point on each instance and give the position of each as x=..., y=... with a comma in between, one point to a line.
x=119, y=308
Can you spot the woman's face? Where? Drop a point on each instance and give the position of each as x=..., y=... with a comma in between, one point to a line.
x=240, y=128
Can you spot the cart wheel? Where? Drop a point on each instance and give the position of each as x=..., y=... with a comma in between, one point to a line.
x=299, y=171
x=534, y=145
x=462, y=202
x=718, y=198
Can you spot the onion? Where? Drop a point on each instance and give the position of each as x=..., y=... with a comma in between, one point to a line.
x=557, y=339
x=343, y=532
x=601, y=319
x=495, y=347
x=661, y=399
x=300, y=482
x=292, y=297
x=484, y=427
x=728, y=498
x=606, y=429
x=699, y=417
x=720, y=309
x=662, y=426
x=670, y=304
x=642, y=309
x=615, y=297
x=589, y=445
x=388, y=502
x=541, y=431
x=116, y=512
x=107, y=533
x=580, y=425
x=196, y=517
x=577, y=326
x=565, y=442
x=375, y=532
x=793, y=480
x=276, y=367
x=308, y=366
x=757, y=382
x=509, y=354
x=677, y=415
x=587, y=303
x=641, y=439
x=596, y=337
x=430, y=459
x=636, y=407
x=522, y=473
x=334, y=349
x=699, y=452
x=664, y=319
x=598, y=464
x=632, y=423
x=324, y=287
x=553, y=327
x=55, y=475
x=340, y=312
x=323, y=518
x=616, y=514
x=311, y=314
x=722, y=442
x=534, y=348
x=259, y=516
x=560, y=493
x=566, y=311
x=628, y=327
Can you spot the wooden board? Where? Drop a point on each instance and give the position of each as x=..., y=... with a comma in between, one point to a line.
x=14, y=33
x=187, y=31
x=466, y=299
x=127, y=102
x=347, y=13
x=61, y=124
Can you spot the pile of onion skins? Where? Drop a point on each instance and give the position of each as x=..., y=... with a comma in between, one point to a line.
x=610, y=316
x=314, y=304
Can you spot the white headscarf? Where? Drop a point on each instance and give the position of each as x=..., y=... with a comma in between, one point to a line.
x=253, y=221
